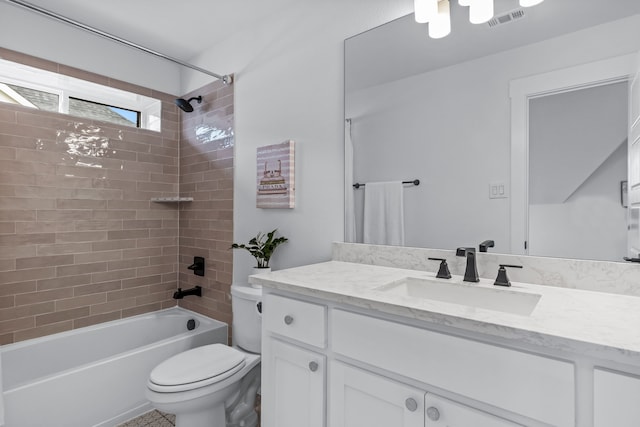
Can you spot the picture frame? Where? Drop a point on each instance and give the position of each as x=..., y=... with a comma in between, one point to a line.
x=275, y=179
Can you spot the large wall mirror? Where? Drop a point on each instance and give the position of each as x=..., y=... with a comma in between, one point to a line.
x=440, y=110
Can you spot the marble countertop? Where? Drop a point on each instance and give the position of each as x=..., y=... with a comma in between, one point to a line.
x=597, y=324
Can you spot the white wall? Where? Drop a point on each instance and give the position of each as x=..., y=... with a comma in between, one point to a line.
x=570, y=135
x=36, y=35
x=289, y=85
x=591, y=224
x=450, y=129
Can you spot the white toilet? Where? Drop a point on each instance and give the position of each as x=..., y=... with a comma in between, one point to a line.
x=215, y=385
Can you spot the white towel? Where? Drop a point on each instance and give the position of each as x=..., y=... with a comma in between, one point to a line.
x=384, y=213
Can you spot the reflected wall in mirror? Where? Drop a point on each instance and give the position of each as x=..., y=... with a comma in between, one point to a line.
x=440, y=111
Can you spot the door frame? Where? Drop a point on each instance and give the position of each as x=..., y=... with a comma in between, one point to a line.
x=521, y=91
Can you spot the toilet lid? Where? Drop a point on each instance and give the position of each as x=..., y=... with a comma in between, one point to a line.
x=213, y=362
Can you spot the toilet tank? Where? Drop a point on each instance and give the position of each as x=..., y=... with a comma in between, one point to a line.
x=246, y=303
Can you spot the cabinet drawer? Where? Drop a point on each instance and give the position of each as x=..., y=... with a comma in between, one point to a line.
x=534, y=386
x=302, y=321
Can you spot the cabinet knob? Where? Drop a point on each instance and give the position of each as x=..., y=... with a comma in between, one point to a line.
x=313, y=366
x=288, y=319
x=411, y=404
x=433, y=413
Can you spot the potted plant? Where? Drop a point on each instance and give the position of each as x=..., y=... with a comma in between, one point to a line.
x=261, y=248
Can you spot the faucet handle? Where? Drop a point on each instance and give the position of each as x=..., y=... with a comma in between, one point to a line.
x=443, y=271
x=502, y=279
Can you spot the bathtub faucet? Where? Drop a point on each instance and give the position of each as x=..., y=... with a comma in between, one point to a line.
x=179, y=294
x=197, y=266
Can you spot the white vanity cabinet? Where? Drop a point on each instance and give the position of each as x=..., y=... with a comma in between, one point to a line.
x=616, y=399
x=326, y=362
x=533, y=386
x=359, y=398
x=293, y=371
x=293, y=386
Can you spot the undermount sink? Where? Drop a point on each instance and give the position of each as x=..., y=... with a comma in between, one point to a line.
x=470, y=295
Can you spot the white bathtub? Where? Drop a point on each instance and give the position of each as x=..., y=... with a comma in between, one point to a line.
x=95, y=376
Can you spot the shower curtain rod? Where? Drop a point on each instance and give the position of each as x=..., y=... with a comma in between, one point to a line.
x=226, y=79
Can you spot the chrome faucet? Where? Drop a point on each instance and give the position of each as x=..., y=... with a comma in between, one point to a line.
x=471, y=272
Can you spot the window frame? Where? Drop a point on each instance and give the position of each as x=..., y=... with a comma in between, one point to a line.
x=149, y=109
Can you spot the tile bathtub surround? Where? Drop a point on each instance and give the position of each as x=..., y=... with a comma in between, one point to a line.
x=80, y=241
x=603, y=276
x=206, y=224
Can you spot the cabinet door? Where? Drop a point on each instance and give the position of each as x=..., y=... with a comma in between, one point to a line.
x=442, y=412
x=616, y=400
x=292, y=386
x=359, y=398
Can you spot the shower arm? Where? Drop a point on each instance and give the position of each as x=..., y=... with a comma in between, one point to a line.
x=226, y=79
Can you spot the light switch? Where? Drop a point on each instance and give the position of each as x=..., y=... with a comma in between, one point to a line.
x=498, y=190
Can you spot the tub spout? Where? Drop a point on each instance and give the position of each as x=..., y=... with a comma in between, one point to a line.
x=179, y=294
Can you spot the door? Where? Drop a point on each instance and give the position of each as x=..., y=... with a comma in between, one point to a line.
x=359, y=398
x=441, y=412
x=615, y=399
x=633, y=218
x=292, y=386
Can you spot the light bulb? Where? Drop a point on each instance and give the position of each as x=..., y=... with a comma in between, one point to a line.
x=529, y=3
x=480, y=11
x=425, y=10
x=440, y=25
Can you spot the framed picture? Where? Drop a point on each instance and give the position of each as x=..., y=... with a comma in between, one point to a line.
x=276, y=176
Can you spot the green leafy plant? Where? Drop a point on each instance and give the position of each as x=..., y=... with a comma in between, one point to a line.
x=261, y=247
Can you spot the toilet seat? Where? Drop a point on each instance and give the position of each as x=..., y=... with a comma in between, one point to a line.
x=195, y=368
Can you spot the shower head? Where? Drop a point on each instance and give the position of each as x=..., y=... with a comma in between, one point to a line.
x=186, y=105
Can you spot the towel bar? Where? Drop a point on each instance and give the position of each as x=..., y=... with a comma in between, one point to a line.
x=414, y=182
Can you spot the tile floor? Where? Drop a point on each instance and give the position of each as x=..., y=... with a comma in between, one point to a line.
x=156, y=418
x=152, y=419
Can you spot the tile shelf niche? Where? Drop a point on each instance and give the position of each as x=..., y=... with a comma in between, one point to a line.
x=171, y=199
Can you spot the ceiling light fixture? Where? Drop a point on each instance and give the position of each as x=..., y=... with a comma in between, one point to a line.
x=440, y=25
x=480, y=11
x=425, y=10
x=437, y=13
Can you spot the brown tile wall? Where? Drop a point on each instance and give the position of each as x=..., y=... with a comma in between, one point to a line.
x=206, y=224
x=83, y=244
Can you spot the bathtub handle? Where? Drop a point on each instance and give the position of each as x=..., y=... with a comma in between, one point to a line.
x=288, y=319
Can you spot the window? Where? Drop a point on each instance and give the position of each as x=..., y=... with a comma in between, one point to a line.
x=103, y=112
x=31, y=97
x=48, y=91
